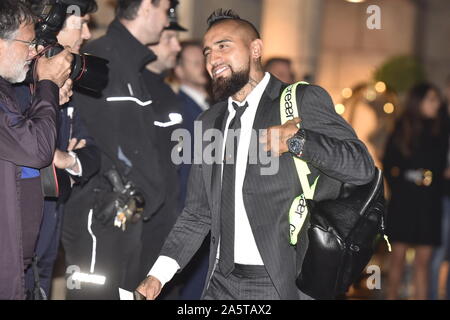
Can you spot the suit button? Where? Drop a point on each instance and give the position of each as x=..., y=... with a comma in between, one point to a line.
x=213, y=239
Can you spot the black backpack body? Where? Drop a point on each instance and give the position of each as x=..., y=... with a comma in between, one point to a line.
x=342, y=237
x=342, y=233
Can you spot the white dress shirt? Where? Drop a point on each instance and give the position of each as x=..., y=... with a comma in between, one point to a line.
x=245, y=248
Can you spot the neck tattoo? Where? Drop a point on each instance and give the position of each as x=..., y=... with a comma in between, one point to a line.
x=253, y=83
x=241, y=95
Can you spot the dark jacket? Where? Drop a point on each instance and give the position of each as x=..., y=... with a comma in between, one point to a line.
x=165, y=101
x=333, y=153
x=71, y=126
x=25, y=140
x=123, y=131
x=45, y=248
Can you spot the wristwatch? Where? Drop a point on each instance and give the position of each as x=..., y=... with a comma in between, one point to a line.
x=297, y=142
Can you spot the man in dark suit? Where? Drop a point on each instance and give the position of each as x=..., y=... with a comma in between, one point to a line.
x=245, y=207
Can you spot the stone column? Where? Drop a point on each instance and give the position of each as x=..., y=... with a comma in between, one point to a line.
x=292, y=29
x=186, y=18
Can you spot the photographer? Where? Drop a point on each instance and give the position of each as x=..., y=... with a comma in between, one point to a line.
x=27, y=140
x=96, y=239
x=76, y=157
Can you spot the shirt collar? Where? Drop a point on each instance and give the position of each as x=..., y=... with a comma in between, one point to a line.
x=254, y=96
x=195, y=95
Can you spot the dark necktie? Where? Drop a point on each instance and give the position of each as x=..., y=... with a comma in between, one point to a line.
x=227, y=209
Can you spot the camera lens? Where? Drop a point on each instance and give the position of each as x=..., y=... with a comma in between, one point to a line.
x=90, y=72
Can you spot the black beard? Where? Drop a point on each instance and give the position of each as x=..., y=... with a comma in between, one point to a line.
x=222, y=88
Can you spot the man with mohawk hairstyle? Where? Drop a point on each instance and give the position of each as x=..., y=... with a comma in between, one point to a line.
x=246, y=210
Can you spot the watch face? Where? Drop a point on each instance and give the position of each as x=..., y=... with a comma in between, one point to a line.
x=295, y=145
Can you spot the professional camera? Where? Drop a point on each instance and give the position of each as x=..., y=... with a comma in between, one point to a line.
x=88, y=71
x=124, y=204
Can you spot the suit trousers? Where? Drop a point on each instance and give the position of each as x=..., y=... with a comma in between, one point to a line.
x=244, y=283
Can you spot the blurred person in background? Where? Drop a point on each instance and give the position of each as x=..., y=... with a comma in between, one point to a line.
x=100, y=238
x=281, y=68
x=442, y=253
x=414, y=163
x=27, y=140
x=190, y=73
x=165, y=105
x=192, y=76
x=76, y=159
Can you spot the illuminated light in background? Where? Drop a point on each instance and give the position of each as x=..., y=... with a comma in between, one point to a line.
x=388, y=108
x=356, y=1
x=347, y=93
x=88, y=278
x=395, y=171
x=410, y=254
x=371, y=95
x=340, y=108
x=380, y=87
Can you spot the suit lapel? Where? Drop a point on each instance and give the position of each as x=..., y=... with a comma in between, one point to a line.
x=212, y=171
x=263, y=119
x=267, y=108
x=267, y=115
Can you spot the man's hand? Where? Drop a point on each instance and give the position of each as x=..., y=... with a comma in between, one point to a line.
x=63, y=160
x=150, y=288
x=65, y=92
x=56, y=68
x=275, y=138
x=74, y=144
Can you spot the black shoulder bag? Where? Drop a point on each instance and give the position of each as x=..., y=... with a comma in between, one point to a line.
x=342, y=233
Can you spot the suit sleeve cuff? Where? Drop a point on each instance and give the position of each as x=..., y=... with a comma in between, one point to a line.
x=164, y=269
x=308, y=153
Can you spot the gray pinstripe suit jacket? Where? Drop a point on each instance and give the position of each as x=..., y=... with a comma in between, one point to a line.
x=332, y=150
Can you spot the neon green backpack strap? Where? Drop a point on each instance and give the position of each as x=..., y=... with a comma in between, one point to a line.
x=299, y=210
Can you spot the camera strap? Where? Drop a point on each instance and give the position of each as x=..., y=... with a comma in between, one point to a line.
x=299, y=209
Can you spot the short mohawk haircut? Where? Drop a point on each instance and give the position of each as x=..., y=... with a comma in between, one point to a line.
x=220, y=15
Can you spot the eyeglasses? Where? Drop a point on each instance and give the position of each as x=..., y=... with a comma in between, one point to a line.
x=31, y=44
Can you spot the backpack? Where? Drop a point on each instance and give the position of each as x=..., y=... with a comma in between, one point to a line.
x=342, y=232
